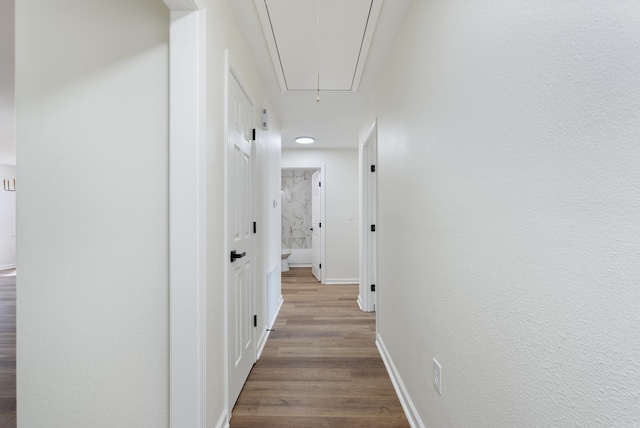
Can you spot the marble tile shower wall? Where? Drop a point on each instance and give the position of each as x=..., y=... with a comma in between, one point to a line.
x=296, y=208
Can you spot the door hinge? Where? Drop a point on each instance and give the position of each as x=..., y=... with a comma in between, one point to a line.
x=320, y=266
x=319, y=224
x=255, y=320
x=373, y=227
x=255, y=227
x=319, y=183
x=373, y=287
x=253, y=135
x=373, y=168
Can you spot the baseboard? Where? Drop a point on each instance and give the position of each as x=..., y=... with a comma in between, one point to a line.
x=275, y=317
x=223, y=422
x=340, y=281
x=398, y=385
x=295, y=265
x=360, y=302
x=262, y=342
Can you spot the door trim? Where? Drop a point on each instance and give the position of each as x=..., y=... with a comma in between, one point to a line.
x=232, y=72
x=323, y=202
x=368, y=210
x=187, y=216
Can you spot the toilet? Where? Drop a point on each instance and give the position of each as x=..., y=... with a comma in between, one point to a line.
x=284, y=264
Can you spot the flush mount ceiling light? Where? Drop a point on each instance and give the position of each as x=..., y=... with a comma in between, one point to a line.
x=305, y=140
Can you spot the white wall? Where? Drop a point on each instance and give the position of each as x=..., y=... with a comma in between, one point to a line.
x=341, y=192
x=92, y=95
x=509, y=212
x=7, y=83
x=223, y=34
x=7, y=220
x=92, y=132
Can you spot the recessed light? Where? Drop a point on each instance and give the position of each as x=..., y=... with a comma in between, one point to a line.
x=305, y=140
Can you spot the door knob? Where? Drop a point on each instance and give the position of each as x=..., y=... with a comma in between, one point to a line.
x=235, y=256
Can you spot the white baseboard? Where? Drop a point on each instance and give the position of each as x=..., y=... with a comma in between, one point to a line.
x=360, y=302
x=275, y=317
x=398, y=385
x=262, y=341
x=295, y=265
x=223, y=422
x=339, y=281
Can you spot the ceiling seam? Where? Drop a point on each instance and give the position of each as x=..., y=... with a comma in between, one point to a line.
x=364, y=34
x=275, y=41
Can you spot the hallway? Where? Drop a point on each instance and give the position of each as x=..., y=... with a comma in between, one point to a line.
x=320, y=366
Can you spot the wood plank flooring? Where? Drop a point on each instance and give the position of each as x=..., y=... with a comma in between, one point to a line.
x=7, y=349
x=320, y=367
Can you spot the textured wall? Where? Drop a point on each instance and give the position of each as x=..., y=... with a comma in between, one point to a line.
x=92, y=132
x=509, y=211
x=296, y=208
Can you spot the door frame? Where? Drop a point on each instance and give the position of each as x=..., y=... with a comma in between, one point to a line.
x=323, y=202
x=316, y=217
x=187, y=214
x=368, y=214
x=232, y=72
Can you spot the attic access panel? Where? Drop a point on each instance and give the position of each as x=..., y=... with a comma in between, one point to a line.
x=291, y=32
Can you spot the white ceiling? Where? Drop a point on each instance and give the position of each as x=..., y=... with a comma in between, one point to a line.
x=330, y=61
x=7, y=83
x=335, y=121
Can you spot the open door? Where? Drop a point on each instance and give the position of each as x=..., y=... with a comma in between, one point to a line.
x=316, y=225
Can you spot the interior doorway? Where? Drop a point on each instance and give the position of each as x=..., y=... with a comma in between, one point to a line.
x=316, y=225
x=7, y=216
x=302, y=226
x=368, y=204
x=241, y=339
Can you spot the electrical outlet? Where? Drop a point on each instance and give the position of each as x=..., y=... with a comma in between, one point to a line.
x=437, y=376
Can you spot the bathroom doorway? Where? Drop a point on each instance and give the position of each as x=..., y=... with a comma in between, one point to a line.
x=302, y=207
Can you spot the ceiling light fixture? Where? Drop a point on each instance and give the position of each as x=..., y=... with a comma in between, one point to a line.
x=305, y=140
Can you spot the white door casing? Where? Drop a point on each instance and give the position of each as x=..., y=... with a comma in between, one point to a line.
x=368, y=247
x=316, y=225
x=322, y=211
x=240, y=292
x=187, y=225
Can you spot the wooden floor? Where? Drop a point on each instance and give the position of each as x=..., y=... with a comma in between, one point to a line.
x=320, y=367
x=7, y=349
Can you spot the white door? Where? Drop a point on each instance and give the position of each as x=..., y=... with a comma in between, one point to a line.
x=242, y=348
x=316, y=225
